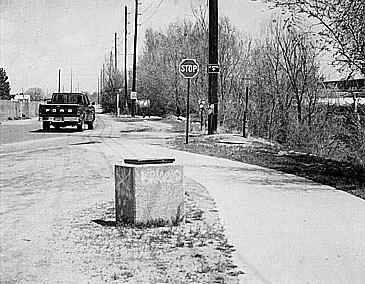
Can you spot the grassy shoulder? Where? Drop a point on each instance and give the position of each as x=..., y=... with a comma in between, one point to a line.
x=340, y=175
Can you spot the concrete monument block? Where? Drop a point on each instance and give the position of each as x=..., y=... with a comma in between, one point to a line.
x=148, y=193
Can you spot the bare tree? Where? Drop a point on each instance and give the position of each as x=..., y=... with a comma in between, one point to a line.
x=341, y=26
x=113, y=81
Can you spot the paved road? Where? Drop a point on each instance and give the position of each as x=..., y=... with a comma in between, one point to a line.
x=46, y=179
x=26, y=130
x=285, y=229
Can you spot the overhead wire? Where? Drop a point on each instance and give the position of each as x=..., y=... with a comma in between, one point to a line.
x=144, y=11
x=154, y=12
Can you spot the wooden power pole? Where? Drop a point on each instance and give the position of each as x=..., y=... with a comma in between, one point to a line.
x=116, y=71
x=115, y=52
x=245, y=113
x=59, y=80
x=101, y=83
x=71, y=82
x=213, y=59
x=134, y=60
x=125, y=56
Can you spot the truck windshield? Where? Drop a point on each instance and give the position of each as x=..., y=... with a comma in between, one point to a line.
x=67, y=99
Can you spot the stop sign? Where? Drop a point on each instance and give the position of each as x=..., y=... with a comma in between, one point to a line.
x=189, y=68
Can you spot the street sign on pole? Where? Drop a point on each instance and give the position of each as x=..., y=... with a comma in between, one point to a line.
x=213, y=68
x=133, y=95
x=188, y=68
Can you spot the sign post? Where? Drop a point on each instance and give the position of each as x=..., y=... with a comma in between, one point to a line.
x=245, y=112
x=117, y=106
x=187, y=114
x=118, y=99
x=188, y=68
x=201, y=106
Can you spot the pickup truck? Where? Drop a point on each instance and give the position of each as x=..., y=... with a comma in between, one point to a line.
x=67, y=109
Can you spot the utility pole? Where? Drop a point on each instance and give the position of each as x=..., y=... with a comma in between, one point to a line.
x=97, y=94
x=116, y=71
x=213, y=59
x=245, y=112
x=115, y=52
x=101, y=83
x=134, y=59
x=59, y=80
x=110, y=74
x=71, y=82
x=110, y=65
x=125, y=56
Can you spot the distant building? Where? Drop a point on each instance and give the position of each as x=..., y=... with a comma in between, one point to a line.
x=345, y=92
x=347, y=88
x=21, y=98
x=345, y=96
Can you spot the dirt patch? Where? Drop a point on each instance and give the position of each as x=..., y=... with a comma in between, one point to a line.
x=340, y=175
x=196, y=251
x=176, y=126
x=137, y=118
x=135, y=129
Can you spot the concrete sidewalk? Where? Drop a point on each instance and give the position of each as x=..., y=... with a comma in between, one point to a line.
x=286, y=229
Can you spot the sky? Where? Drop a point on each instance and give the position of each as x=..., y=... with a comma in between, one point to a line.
x=37, y=37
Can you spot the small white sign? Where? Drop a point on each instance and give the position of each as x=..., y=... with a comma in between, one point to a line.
x=133, y=95
x=213, y=68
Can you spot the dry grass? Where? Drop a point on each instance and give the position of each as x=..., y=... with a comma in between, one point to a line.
x=341, y=175
x=196, y=251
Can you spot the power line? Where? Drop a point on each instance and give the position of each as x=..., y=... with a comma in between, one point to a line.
x=147, y=8
x=154, y=12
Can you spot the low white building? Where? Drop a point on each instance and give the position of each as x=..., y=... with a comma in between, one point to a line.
x=21, y=98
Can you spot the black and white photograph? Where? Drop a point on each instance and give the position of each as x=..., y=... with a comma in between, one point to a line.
x=182, y=141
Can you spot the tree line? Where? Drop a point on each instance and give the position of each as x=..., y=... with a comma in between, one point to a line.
x=280, y=67
x=4, y=85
